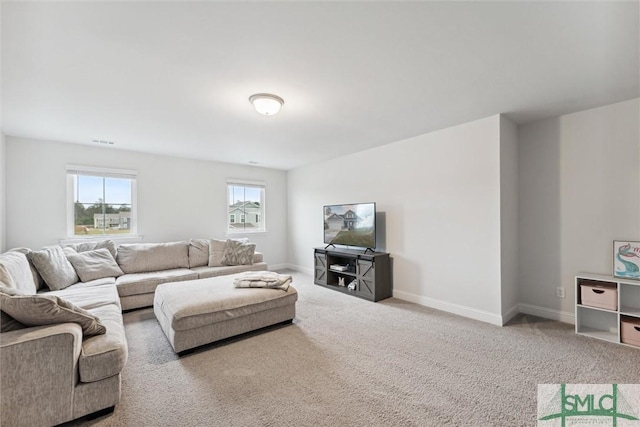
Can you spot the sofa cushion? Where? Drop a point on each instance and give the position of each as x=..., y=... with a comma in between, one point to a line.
x=146, y=257
x=216, y=250
x=96, y=264
x=204, y=272
x=204, y=302
x=11, y=291
x=144, y=283
x=15, y=271
x=38, y=310
x=37, y=278
x=8, y=323
x=198, y=252
x=104, y=356
x=238, y=253
x=5, y=278
x=93, y=245
x=97, y=282
x=89, y=298
x=54, y=267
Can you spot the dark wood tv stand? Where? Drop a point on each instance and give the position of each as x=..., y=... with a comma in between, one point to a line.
x=371, y=272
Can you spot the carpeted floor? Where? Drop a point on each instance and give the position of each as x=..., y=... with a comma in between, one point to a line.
x=350, y=362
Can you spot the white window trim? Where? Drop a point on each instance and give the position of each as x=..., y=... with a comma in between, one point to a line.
x=106, y=172
x=263, y=213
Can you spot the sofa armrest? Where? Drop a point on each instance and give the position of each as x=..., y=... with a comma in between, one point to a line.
x=38, y=373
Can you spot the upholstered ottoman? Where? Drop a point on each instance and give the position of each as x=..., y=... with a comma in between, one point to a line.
x=202, y=311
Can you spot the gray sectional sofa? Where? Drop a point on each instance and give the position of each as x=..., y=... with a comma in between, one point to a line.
x=54, y=373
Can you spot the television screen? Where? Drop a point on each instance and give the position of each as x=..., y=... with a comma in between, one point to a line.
x=350, y=225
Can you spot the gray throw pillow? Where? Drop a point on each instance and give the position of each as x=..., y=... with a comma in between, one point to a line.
x=54, y=267
x=92, y=265
x=38, y=310
x=238, y=253
x=93, y=245
x=8, y=323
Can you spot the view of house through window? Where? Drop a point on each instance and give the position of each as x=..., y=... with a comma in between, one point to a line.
x=246, y=207
x=103, y=203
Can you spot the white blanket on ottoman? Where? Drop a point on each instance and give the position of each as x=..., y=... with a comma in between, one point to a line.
x=263, y=279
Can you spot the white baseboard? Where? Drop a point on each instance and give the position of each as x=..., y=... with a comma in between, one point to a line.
x=294, y=267
x=548, y=313
x=472, y=313
x=460, y=310
x=510, y=314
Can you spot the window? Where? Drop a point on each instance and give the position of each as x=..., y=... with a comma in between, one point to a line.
x=245, y=200
x=101, y=202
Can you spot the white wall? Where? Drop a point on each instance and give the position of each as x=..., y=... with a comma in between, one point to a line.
x=440, y=196
x=509, y=217
x=3, y=195
x=579, y=182
x=178, y=198
x=2, y=163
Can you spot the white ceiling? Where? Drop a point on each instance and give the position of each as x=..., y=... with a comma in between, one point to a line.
x=174, y=77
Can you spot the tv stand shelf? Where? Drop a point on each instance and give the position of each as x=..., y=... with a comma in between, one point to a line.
x=371, y=272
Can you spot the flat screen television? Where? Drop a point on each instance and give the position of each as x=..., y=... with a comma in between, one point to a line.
x=350, y=225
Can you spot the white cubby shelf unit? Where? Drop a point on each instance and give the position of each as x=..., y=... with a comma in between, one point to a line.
x=604, y=323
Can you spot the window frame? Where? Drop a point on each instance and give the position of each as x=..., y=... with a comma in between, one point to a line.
x=262, y=227
x=74, y=170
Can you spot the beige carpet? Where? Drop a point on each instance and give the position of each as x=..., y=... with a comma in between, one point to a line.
x=349, y=362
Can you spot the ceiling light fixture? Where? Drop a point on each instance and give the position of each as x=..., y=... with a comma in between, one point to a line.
x=266, y=103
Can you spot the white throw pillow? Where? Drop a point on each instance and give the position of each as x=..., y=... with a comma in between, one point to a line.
x=17, y=271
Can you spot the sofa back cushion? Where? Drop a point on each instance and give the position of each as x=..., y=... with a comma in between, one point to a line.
x=15, y=272
x=54, y=267
x=198, y=252
x=145, y=257
x=37, y=278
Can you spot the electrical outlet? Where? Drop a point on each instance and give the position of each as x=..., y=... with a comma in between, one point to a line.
x=560, y=292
